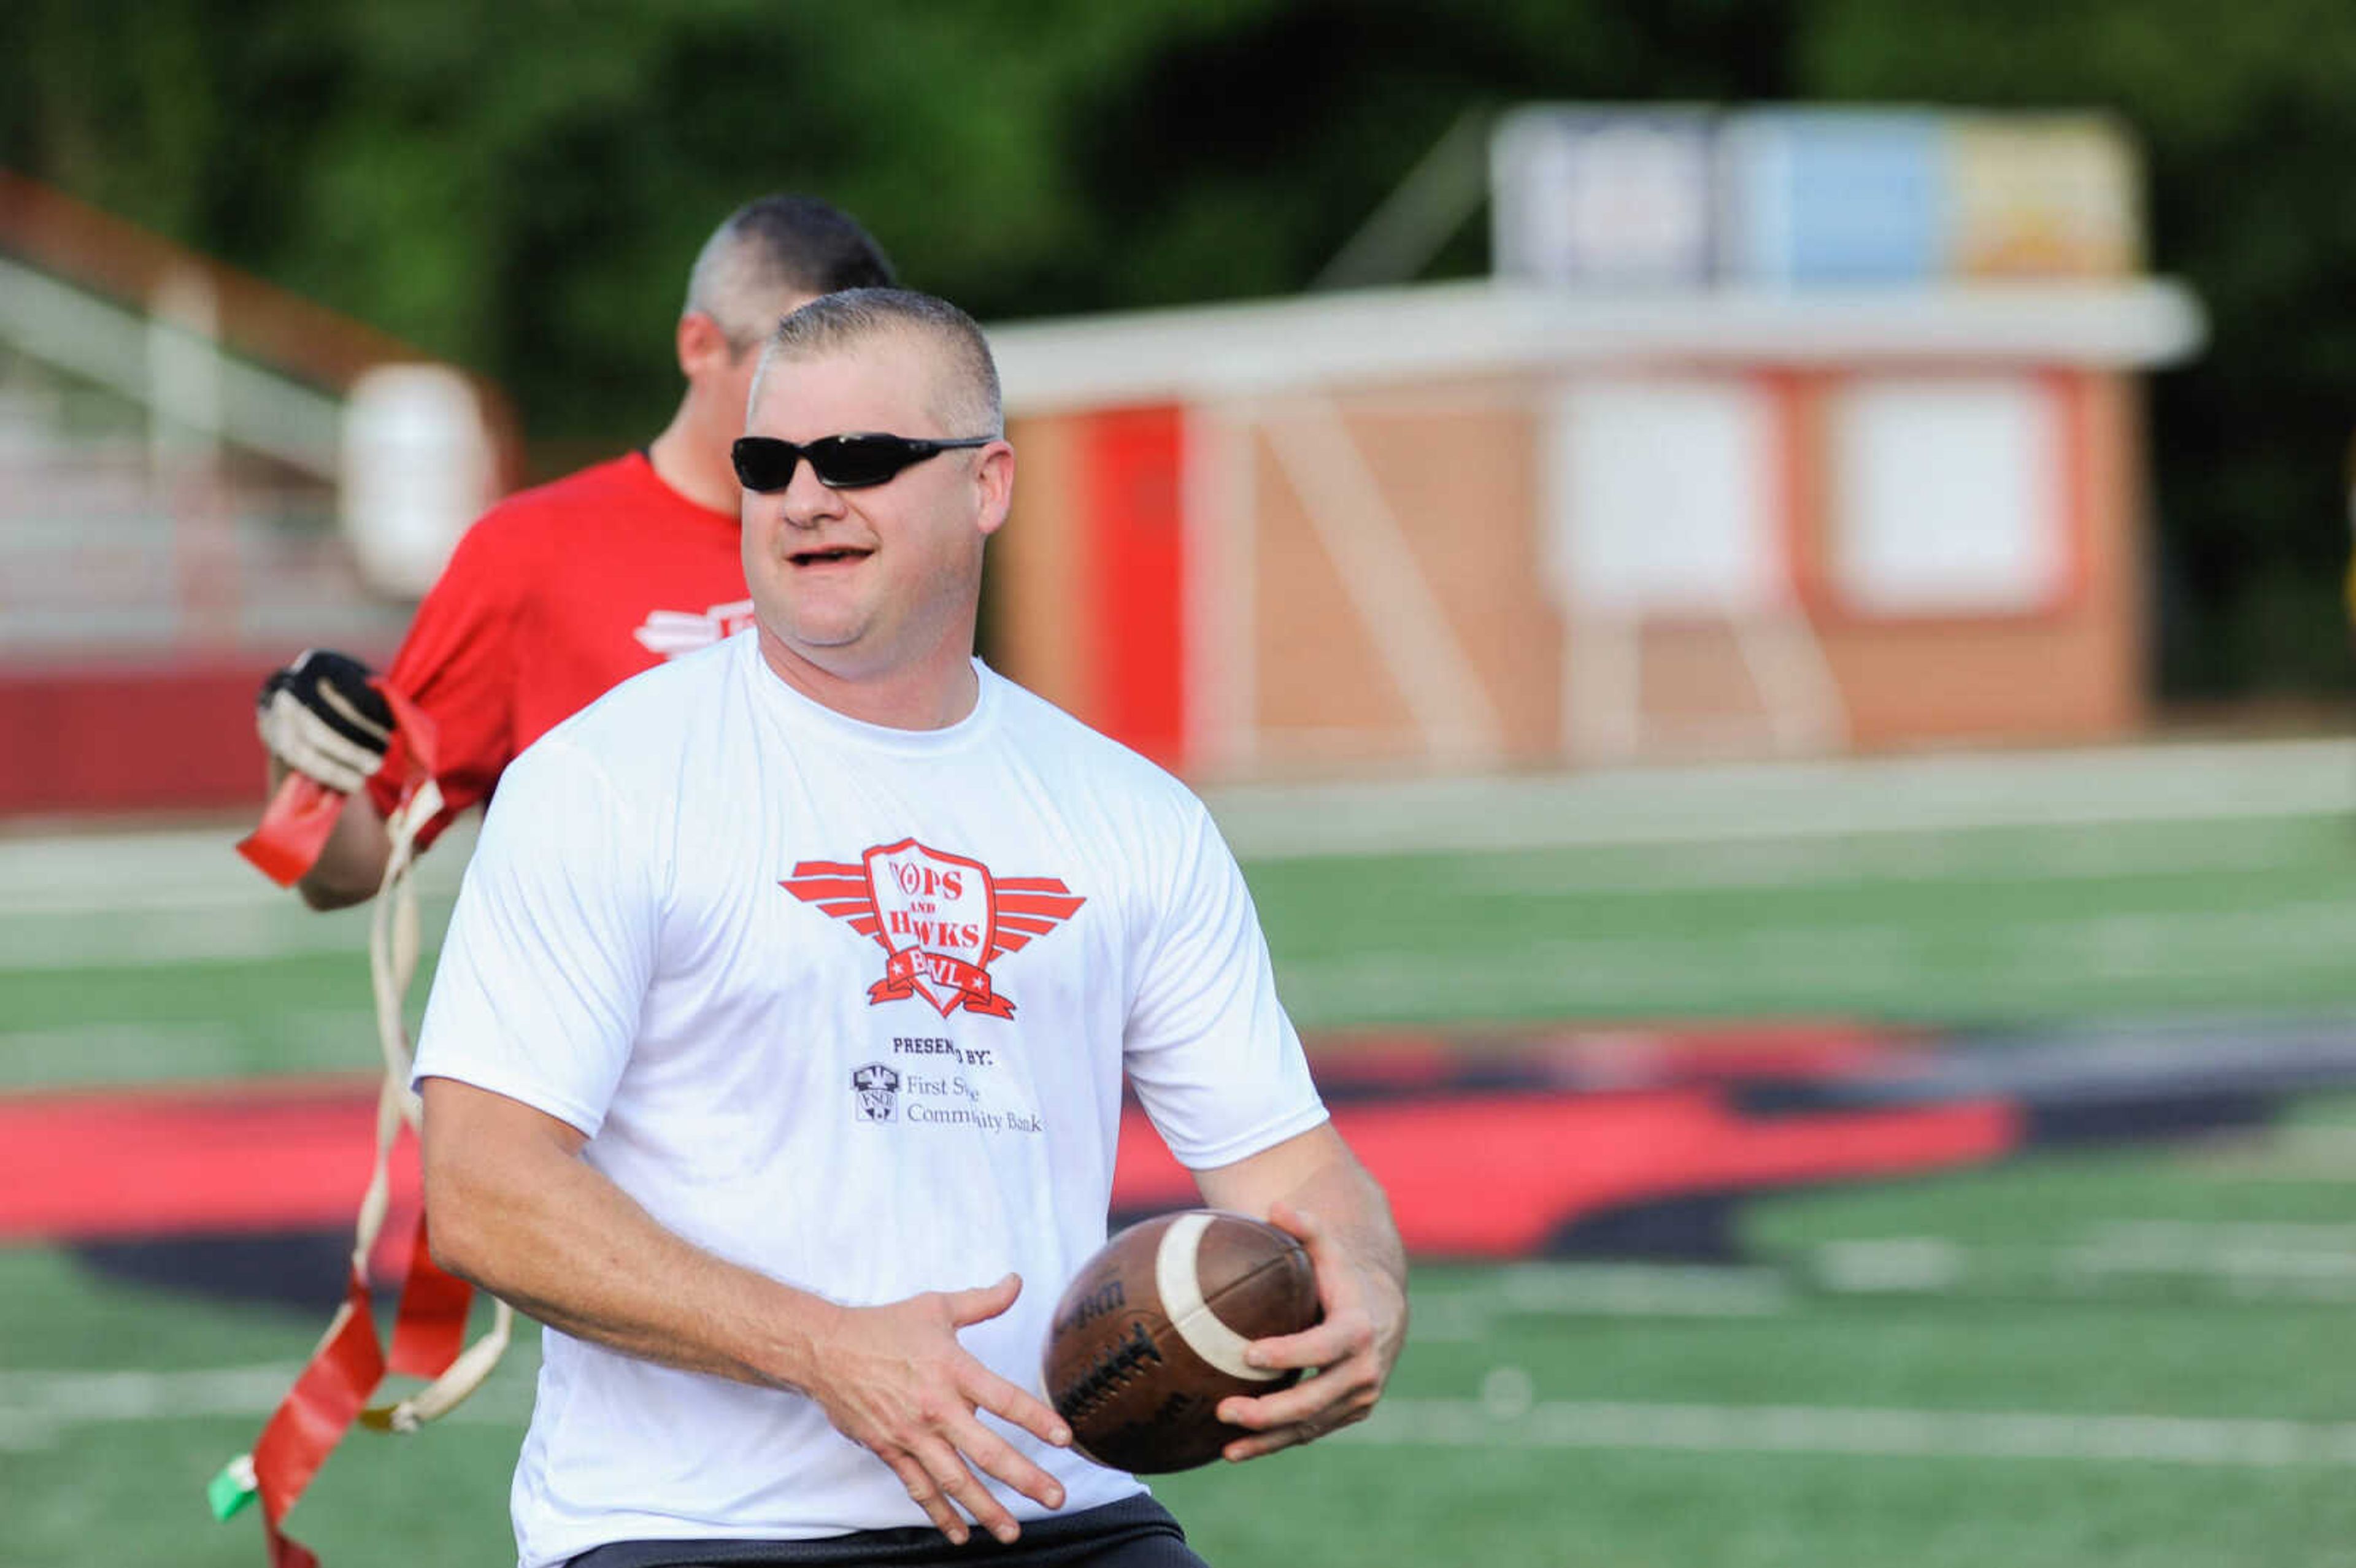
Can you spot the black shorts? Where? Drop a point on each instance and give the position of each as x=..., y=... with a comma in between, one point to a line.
x=1135, y=1532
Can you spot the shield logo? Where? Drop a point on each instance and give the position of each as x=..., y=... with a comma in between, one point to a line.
x=878, y=1088
x=941, y=918
x=938, y=913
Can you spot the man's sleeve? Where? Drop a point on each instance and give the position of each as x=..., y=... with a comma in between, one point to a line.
x=1213, y=1059
x=538, y=990
x=458, y=665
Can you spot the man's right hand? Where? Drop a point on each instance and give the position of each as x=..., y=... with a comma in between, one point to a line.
x=321, y=717
x=894, y=1379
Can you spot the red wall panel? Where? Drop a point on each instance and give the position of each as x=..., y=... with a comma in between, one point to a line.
x=1133, y=513
x=130, y=738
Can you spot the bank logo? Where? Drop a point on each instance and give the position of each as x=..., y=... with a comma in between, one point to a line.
x=941, y=918
x=878, y=1088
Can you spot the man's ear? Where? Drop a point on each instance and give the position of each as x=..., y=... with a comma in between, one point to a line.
x=700, y=343
x=993, y=475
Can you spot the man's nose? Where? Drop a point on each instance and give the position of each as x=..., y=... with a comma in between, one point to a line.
x=808, y=502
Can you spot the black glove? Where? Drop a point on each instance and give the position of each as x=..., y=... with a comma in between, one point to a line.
x=321, y=717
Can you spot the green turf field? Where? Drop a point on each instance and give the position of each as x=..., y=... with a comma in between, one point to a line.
x=2125, y=1358
x=1976, y=926
x=2070, y=1391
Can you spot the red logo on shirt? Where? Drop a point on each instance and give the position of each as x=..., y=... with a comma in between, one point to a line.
x=943, y=919
x=670, y=634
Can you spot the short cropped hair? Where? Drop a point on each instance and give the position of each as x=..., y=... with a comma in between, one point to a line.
x=966, y=385
x=779, y=244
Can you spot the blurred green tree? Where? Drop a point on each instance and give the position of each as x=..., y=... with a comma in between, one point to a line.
x=520, y=185
x=2246, y=118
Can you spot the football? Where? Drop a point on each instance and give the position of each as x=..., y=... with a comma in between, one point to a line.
x=1149, y=1336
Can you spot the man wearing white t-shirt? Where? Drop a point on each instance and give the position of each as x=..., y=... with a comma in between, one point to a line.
x=785, y=1009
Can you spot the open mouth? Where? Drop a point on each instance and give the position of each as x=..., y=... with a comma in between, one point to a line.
x=831, y=556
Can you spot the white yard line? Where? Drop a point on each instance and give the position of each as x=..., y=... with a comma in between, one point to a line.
x=75, y=899
x=243, y=933
x=1854, y=963
x=1966, y=855
x=1786, y=800
x=2229, y=1264
x=1495, y=1422
x=2169, y=783
x=2292, y=1153
x=186, y=867
x=1653, y=1291
x=116, y=1053
x=151, y=928
x=35, y=1406
x=2253, y=1265
x=307, y=1040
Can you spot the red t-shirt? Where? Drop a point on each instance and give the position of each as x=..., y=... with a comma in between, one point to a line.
x=551, y=598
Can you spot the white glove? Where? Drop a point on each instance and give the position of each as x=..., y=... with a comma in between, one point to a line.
x=321, y=717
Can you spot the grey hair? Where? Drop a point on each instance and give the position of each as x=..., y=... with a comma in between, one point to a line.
x=778, y=245
x=966, y=384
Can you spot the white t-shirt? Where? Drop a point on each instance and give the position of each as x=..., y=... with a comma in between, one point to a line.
x=849, y=1006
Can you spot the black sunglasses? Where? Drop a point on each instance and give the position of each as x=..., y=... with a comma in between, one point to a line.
x=766, y=464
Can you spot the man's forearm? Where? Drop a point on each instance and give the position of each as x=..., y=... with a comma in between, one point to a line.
x=351, y=864
x=1315, y=1171
x=1344, y=1194
x=1314, y=1186
x=560, y=1242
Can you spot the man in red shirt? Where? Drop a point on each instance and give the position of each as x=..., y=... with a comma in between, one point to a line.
x=552, y=597
x=559, y=592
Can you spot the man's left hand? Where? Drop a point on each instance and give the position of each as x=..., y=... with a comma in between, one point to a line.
x=1351, y=1351
x=322, y=716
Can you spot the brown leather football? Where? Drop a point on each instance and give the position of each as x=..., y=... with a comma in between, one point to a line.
x=1148, y=1337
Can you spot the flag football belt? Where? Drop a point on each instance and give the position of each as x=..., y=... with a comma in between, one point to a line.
x=429, y=1334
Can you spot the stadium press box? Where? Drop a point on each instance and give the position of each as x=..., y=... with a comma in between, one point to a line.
x=1595, y=197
